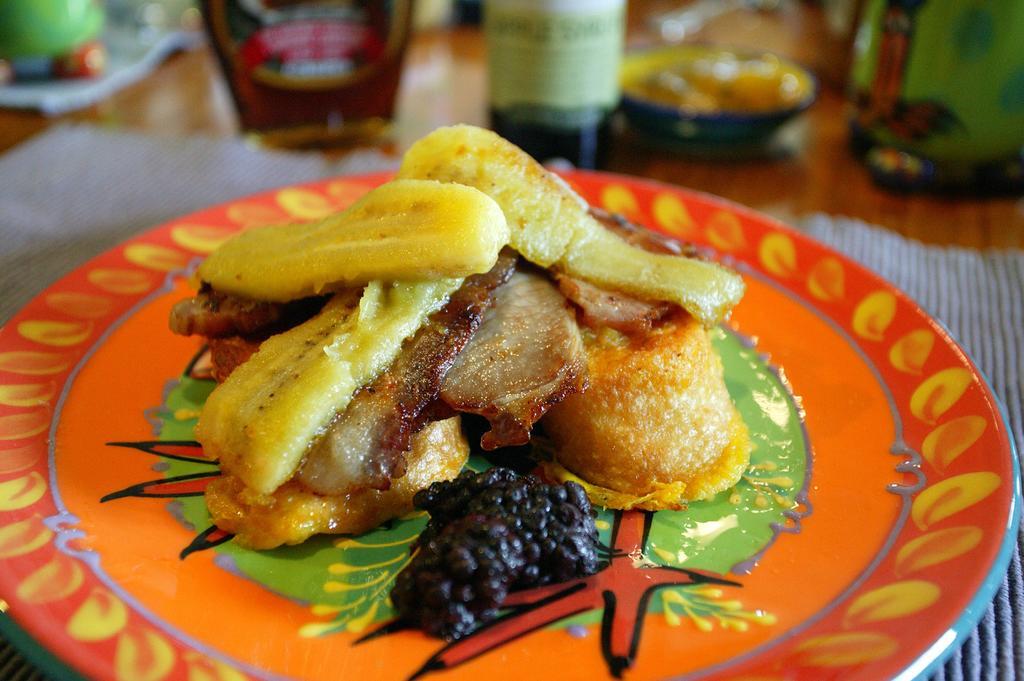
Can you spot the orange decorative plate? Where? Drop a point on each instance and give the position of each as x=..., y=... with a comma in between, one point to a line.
x=865, y=540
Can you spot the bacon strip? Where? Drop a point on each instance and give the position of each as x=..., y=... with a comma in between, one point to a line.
x=527, y=356
x=365, y=445
x=615, y=310
x=641, y=237
x=218, y=315
x=228, y=353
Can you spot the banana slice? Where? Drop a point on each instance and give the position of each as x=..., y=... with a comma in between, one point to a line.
x=551, y=226
x=261, y=420
x=408, y=230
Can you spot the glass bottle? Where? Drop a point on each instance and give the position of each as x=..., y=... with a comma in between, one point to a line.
x=554, y=74
x=311, y=73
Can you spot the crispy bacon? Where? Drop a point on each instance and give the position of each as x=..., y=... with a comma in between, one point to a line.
x=526, y=356
x=613, y=309
x=218, y=315
x=365, y=445
x=599, y=307
x=228, y=353
x=642, y=237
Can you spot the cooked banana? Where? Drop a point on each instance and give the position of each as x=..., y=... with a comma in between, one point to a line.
x=552, y=227
x=408, y=230
x=260, y=421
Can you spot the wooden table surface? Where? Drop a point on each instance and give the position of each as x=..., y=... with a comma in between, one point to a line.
x=444, y=82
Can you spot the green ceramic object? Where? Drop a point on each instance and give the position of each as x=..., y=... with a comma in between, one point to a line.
x=47, y=28
x=943, y=81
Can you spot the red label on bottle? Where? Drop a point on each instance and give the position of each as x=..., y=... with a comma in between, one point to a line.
x=311, y=49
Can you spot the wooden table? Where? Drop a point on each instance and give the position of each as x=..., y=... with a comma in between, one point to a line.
x=444, y=82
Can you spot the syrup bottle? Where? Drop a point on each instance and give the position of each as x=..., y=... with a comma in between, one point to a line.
x=311, y=73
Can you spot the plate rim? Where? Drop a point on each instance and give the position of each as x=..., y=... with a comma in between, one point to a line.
x=968, y=619
x=52, y=665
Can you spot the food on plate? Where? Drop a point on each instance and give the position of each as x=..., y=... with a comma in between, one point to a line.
x=365, y=444
x=405, y=230
x=526, y=356
x=656, y=416
x=476, y=283
x=491, y=533
x=261, y=421
x=552, y=227
x=292, y=513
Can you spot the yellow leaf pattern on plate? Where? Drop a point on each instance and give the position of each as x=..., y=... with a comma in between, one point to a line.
x=827, y=280
x=26, y=394
x=144, y=656
x=936, y=547
x=846, y=649
x=725, y=231
x=23, y=536
x=21, y=426
x=938, y=393
x=778, y=254
x=671, y=214
x=99, y=617
x=54, y=581
x=874, y=314
x=316, y=629
x=21, y=492
x=155, y=257
x=29, y=363
x=81, y=305
x=19, y=458
x=122, y=282
x=891, y=601
x=255, y=214
x=705, y=608
x=200, y=238
x=344, y=194
x=617, y=199
x=952, y=495
x=946, y=443
x=911, y=351
x=58, y=334
x=305, y=204
x=202, y=668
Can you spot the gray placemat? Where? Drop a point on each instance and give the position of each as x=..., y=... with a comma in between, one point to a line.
x=75, y=191
x=979, y=296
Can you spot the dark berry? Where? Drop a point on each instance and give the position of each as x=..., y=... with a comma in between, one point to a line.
x=460, y=578
x=491, y=533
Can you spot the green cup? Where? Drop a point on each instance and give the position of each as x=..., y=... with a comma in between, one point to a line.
x=939, y=92
x=31, y=29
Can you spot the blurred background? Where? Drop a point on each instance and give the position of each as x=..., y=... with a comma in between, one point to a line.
x=904, y=113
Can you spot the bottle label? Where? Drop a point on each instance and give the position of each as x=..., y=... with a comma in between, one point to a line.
x=554, y=63
x=303, y=45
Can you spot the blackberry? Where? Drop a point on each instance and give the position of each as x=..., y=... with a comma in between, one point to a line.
x=555, y=522
x=460, y=578
x=530, y=533
x=448, y=500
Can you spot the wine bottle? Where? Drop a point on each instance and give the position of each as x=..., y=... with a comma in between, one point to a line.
x=554, y=75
